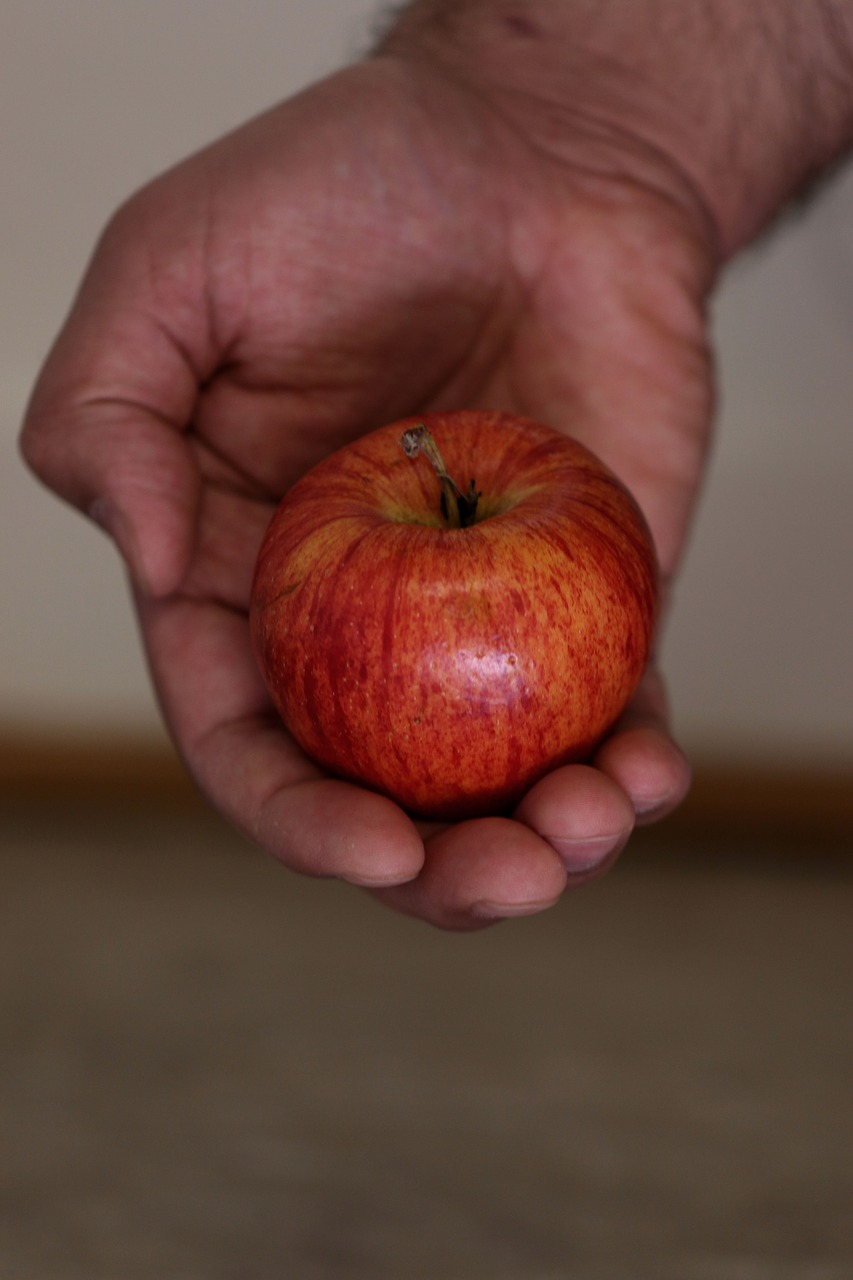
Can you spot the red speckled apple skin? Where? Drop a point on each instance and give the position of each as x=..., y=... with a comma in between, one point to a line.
x=451, y=668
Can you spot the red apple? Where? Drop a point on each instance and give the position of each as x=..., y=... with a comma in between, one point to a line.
x=451, y=667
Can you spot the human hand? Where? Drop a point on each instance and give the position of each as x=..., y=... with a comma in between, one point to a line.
x=386, y=243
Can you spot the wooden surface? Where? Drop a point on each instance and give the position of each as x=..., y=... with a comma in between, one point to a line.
x=213, y=1070
x=729, y=798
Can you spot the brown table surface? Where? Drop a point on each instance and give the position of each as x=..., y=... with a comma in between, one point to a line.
x=210, y=1068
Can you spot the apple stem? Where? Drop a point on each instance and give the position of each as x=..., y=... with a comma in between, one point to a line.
x=458, y=509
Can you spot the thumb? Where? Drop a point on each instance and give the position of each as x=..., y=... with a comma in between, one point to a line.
x=105, y=431
x=132, y=474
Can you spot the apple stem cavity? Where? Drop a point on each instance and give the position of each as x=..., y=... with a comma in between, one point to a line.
x=458, y=509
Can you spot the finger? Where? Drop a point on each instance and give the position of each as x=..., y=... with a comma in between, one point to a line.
x=585, y=816
x=229, y=531
x=642, y=758
x=216, y=706
x=480, y=872
x=314, y=825
x=130, y=473
x=105, y=421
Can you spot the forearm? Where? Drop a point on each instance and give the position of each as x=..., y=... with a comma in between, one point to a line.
x=747, y=101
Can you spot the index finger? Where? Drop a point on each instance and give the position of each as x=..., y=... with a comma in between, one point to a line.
x=104, y=426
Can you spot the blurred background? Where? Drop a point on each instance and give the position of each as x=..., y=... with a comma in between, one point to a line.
x=210, y=1069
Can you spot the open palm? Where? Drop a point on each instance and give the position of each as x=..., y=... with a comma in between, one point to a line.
x=383, y=244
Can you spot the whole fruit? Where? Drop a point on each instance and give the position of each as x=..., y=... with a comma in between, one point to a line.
x=449, y=643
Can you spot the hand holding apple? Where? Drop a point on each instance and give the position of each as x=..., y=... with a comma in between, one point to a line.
x=449, y=645
x=250, y=311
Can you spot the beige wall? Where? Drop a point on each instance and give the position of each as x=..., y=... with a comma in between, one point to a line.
x=97, y=95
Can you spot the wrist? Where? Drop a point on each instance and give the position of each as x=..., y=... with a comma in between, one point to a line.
x=731, y=109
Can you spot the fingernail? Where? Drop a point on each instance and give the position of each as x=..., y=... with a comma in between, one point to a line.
x=372, y=880
x=589, y=853
x=505, y=910
x=647, y=810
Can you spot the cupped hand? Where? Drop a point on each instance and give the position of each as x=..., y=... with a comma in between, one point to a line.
x=388, y=242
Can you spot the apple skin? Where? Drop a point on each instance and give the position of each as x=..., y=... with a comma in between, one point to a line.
x=450, y=668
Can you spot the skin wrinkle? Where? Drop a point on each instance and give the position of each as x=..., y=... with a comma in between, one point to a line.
x=543, y=124
x=747, y=102
x=175, y=291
